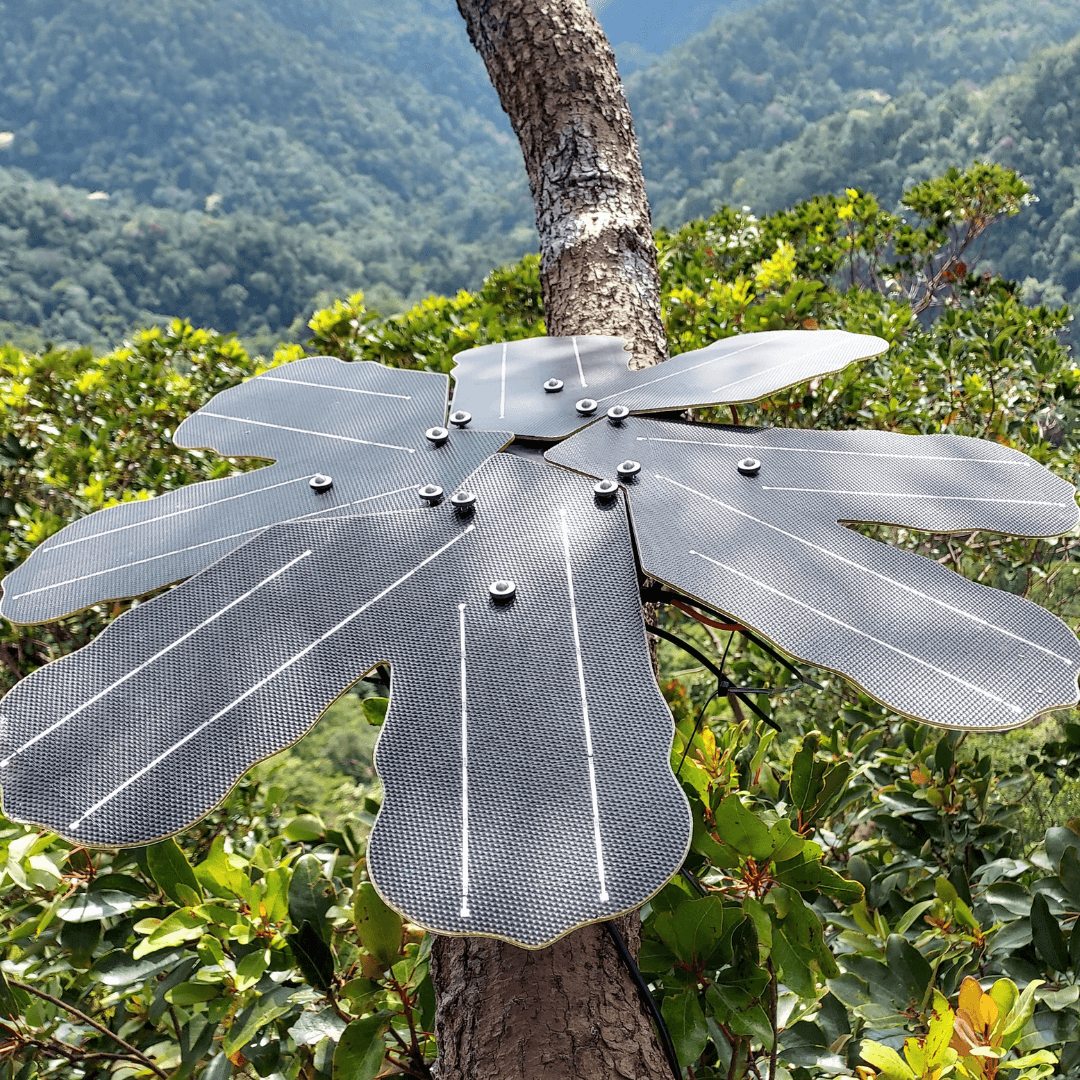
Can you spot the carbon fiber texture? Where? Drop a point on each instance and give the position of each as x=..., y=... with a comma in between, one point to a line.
x=769, y=550
x=362, y=425
x=525, y=756
x=503, y=385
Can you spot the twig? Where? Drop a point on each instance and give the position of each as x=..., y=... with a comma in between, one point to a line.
x=138, y=1054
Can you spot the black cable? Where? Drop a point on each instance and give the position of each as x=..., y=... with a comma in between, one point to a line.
x=693, y=881
x=724, y=683
x=697, y=727
x=646, y=998
x=657, y=595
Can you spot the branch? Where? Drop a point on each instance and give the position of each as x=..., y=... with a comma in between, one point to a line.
x=136, y=1053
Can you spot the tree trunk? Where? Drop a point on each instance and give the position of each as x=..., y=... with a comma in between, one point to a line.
x=555, y=75
x=571, y=1011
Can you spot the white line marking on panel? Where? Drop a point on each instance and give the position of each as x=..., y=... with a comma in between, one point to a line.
x=209, y=543
x=305, y=431
x=577, y=356
x=174, y=513
x=873, y=573
x=146, y=663
x=915, y=495
x=266, y=679
x=802, y=358
x=862, y=633
x=842, y=453
x=321, y=386
x=502, y=394
x=684, y=371
x=465, y=912
x=584, y=712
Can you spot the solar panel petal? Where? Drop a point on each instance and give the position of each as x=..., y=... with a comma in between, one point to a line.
x=534, y=387
x=525, y=757
x=344, y=438
x=765, y=544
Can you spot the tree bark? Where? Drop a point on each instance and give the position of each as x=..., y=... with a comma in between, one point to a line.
x=555, y=75
x=571, y=1011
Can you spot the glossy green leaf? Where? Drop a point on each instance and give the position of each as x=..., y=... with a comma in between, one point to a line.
x=1047, y=936
x=169, y=867
x=378, y=927
x=360, y=1050
x=686, y=1022
x=311, y=895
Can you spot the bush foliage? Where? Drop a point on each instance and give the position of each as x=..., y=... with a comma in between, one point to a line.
x=866, y=895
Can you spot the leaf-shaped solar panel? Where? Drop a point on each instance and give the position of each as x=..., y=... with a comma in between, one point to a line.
x=525, y=754
x=534, y=387
x=360, y=426
x=748, y=521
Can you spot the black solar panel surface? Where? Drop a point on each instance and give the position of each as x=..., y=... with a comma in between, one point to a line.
x=361, y=425
x=503, y=385
x=767, y=547
x=525, y=756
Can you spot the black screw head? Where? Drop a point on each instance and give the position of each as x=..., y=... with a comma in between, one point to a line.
x=628, y=469
x=502, y=590
x=586, y=406
x=460, y=418
x=319, y=483
x=463, y=501
x=605, y=489
x=431, y=493
x=553, y=386
x=437, y=435
x=618, y=413
x=749, y=466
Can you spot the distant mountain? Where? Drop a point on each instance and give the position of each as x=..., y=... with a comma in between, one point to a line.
x=372, y=123
x=235, y=160
x=1028, y=121
x=641, y=30
x=756, y=79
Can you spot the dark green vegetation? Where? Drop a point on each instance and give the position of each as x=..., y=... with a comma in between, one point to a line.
x=263, y=156
x=1027, y=121
x=366, y=126
x=859, y=868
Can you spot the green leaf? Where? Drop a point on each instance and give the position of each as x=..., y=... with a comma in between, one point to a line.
x=306, y=828
x=311, y=895
x=795, y=973
x=741, y=830
x=839, y=887
x=886, y=1061
x=266, y=1010
x=378, y=927
x=169, y=867
x=686, y=1022
x=119, y=968
x=313, y=956
x=218, y=876
x=313, y=1027
x=91, y=906
x=801, y=780
x=180, y=926
x=697, y=929
x=360, y=1050
x=1047, y=936
x=375, y=710
x=189, y=993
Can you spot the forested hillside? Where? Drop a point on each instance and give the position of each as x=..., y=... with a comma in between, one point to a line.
x=1028, y=121
x=238, y=161
x=372, y=123
x=758, y=78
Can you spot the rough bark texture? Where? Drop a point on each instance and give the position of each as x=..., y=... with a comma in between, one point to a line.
x=572, y=1011
x=555, y=75
x=568, y=1011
